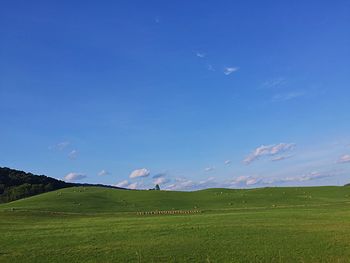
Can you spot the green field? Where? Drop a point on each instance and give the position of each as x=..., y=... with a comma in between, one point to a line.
x=91, y=224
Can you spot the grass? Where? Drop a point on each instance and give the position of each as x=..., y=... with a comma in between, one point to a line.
x=94, y=224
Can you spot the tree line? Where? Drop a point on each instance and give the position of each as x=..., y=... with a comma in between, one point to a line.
x=15, y=184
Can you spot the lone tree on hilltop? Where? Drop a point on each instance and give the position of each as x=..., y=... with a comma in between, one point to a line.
x=157, y=187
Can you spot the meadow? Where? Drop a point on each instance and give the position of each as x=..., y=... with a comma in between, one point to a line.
x=93, y=224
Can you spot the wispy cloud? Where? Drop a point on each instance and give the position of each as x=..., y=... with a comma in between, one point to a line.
x=209, y=169
x=200, y=54
x=242, y=181
x=181, y=184
x=209, y=182
x=73, y=154
x=103, y=173
x=305, y=177
x=288, y=96
x=248, y=181
x=139, y=173
x=122, y=184
x=227, y=162
x=163, y=174
x=344, y=159
x=161, y=180
x=71, y=177
x=210, y=67
x=230, y=70
x=133, y=185
x=187, y=184
x=274, y=83
x=268, y=150
x=281, y=158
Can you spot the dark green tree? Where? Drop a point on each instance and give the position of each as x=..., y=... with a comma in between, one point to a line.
x=16, y=184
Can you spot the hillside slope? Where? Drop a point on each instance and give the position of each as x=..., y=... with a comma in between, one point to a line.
x=15, y=184
x=105, y=200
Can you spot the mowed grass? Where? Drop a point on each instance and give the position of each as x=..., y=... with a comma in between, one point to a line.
x=101, y=225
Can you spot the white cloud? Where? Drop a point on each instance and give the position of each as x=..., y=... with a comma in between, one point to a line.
x=171, y=187
x=281, y=158
x=161, y=180
x=344, y=159
x=139, y=173
x=122, y=184
x=230, y=70
x=246, y=181
x=288, y=96
x=305, y=177
x=209, y=169
x=268, y=150
x=186, y=184
x=133, y=185
x=180, y=184
x=159, y=175
x=227, y=162
x=74, y=177
x=209, y=182
x=200, y=54
x=73, y=154
x=103, y=172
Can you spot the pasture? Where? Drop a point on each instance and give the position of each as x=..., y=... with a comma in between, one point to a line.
x=92, y=224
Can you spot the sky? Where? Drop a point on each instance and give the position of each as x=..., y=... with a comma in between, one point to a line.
x=184, y=94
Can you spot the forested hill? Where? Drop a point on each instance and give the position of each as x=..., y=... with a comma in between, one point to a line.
x=16, y=184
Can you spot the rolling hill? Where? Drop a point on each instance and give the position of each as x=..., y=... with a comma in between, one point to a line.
x=15, y=184
x=105, y=200
x=98, y=224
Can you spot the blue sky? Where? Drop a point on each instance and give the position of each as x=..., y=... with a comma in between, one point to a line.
x=187, y=94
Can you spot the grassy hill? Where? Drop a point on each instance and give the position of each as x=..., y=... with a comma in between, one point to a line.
x=15, y=184
x=297, y=224
x=105, y=200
